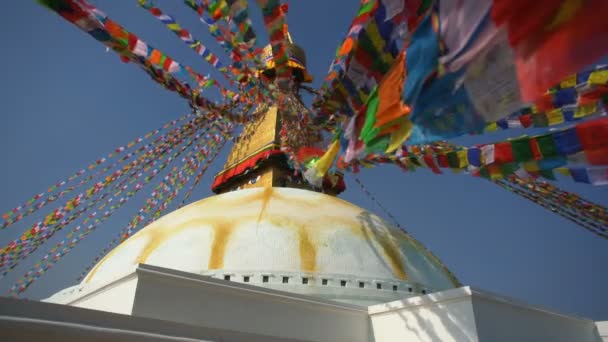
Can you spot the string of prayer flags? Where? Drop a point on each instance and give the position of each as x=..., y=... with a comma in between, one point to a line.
x=274, y=21
x=58, y=219
x=173, y=181
x=240, y=16
x=165, y=188
x=158, y=65
x=579, y=151
x=367, y=53
x=239, y=51
x=187, y=38
x=577, y=97
x=234, y=12
x=567, y=205
x=587, y=208
x=242, y=54
x=42, y=199
x=116, y=191
x=225, y=138
x=134, y=225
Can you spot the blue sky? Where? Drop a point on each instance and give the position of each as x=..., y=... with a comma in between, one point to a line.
x=66, y=102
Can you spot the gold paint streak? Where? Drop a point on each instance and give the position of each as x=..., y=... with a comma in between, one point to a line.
x=308, y=252
x=107, y=256
x=158, y=235
x=266, y=195
x=425, y=251
x=304, y=227
x=223, y=230
x=387, y=239
x=155, y=241
x=94, y=270
x=394, y=257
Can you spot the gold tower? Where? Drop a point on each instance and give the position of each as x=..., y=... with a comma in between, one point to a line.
x=256, y=159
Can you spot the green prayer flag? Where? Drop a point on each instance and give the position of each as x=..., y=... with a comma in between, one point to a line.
x=366, y=8
x=508, y=168
x=453, y=160
x=483, y=172
x=521, y=149
x=368, y=132
x=415, y=161
x=379, y=144
x=548, y=174
x=540, y=120
x=547, y=145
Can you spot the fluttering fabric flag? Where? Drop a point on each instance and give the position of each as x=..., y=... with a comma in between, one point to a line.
x=368, y=51
x=162, y=68
x=480, y=42
x=276, y=26
x=577, y=28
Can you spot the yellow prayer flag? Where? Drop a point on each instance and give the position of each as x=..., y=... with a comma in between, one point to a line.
x=174, y=27
x=327, y=160
x=569, y=82
x=585, y=110
x=399, y=136
x=563, y=171
x=598, y=77
x=531, y=166
x=491, y=127
x=555, y=117
x=534, y=109
x=463, y=160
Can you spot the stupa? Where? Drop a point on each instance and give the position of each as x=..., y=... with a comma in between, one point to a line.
x=270, y=258
x=266, y=226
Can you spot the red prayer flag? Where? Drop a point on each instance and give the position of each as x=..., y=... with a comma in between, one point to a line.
x=536, y=154
x=597, y=156
x=430, y=162
x=545, y=102
x=526, y=120
x=503, y=153
x=573, y=39
x=593, y=96
x=442, y=159
x=593, y=134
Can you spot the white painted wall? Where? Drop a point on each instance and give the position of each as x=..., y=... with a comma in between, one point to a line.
x=114, y=297
x=445, y=316
x=602, y=328
x=246, y=312
x=501, y=319
x=24, y=320
x=212, y=303
x=467, y=314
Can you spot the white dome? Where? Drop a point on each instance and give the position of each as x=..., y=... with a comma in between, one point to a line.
x=276, y=237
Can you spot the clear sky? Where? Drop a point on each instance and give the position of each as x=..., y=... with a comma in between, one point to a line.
x=65, y=102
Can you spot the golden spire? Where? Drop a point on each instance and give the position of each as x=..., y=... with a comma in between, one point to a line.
x=256, y=159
